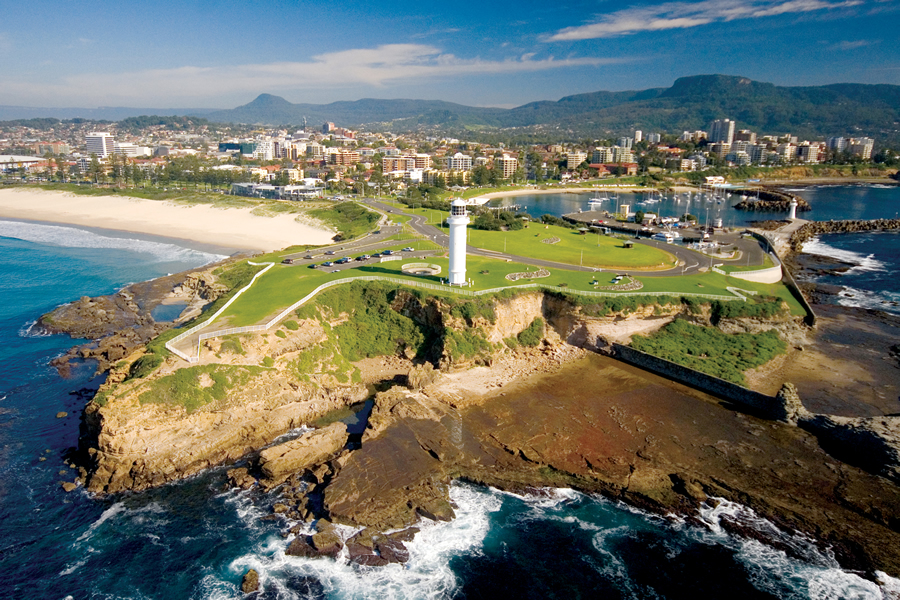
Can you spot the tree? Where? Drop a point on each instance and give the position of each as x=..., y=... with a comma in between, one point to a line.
x=61, y=168
x=94, y=170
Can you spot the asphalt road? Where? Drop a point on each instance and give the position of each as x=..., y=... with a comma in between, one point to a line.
x=689, y=261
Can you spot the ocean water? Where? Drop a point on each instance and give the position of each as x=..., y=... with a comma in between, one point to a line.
x=195, y=539
x=827, y=202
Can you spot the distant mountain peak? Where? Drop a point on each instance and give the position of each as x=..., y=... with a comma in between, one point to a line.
x=269, y=100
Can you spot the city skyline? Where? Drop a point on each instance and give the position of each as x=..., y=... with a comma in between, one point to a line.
x=221, y=55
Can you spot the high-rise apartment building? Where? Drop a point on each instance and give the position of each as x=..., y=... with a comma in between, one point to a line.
x=602, y=155
x=573, y=159
x=721, y=131
x=507, y=165
x=862, y=147
x=100, y=143
x=458, y=162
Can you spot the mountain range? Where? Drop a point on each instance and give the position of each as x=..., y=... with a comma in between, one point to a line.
x=845, y=109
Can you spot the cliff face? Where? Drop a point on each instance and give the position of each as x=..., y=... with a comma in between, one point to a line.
x=180, y=420
x=145, y=432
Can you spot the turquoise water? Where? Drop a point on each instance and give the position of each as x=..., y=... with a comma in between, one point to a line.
x=195, y=539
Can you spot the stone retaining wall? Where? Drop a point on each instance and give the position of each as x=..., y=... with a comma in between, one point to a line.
x=765, y=406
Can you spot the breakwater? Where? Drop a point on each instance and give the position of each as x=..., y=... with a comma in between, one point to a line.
x=814, y=228
x=770, y=201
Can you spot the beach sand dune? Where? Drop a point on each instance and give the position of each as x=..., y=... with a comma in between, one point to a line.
x=225, y=227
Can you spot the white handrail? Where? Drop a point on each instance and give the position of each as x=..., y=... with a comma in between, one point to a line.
x=170, y=345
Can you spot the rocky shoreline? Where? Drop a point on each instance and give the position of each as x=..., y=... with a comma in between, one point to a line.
x=120, y=323
x=609, y=429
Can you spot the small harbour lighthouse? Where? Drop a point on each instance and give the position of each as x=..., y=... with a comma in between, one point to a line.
x=459, y=218
x=793, y=207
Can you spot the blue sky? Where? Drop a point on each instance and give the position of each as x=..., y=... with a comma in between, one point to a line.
x=222, y=54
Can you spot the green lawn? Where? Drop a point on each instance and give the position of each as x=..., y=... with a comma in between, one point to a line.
x=732, y=268
x=284, y=285
x=590, y=250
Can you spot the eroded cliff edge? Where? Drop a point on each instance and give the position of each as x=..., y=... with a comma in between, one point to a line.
x=497, y=412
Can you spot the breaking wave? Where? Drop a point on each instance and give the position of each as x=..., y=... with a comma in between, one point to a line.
x=71, y=237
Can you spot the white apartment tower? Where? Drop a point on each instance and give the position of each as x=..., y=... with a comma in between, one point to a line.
x=459, y=219
x=100, y=143
x=721, y=131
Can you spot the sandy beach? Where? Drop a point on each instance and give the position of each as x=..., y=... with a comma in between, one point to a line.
x=231, y=228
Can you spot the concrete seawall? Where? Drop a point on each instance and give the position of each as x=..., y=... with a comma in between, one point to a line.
x=769, y=407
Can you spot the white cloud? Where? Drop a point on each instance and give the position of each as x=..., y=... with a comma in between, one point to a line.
x=854, y=44
x=376, y=67
x=682, y=15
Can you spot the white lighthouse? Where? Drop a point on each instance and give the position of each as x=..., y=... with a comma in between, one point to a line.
x=458, y=220
x=793, y=206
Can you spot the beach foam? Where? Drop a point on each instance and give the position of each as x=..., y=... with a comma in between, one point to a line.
x=72, y=237
x=205, y=223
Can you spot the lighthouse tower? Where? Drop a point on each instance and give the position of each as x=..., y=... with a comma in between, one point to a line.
x=458, y=220
x=793, y=205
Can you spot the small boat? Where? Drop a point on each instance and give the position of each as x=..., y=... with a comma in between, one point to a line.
x=668, y=237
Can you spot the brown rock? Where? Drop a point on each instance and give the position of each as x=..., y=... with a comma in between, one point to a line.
x=68, y=486
x=281, y=461
x=62, y=415
x=393, y=551
x=241, y=478
x=302, y=546
x=250, y=582
x=327, y=543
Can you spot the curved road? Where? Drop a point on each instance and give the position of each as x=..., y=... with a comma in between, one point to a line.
x=689, y=261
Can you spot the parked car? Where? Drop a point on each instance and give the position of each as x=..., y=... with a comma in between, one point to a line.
x=288, y=261
x=387, y=252
x=363, y=257
x=327, y=263
x=343, y=261
x=329, y=252
x=408, y=249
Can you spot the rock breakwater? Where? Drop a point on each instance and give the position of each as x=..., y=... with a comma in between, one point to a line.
x=771, y=201
x=813, y=228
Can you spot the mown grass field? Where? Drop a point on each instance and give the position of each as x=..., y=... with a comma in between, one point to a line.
x=573, y=248
x=283, y=285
